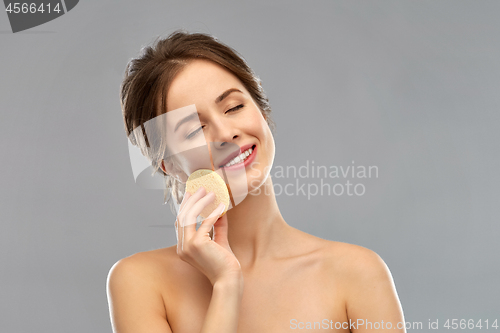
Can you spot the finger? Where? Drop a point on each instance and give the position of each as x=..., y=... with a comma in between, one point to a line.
x=183, y=217
x=187, y=195
x=192, y=199
x=200, y=205
x=221, y=231
x=176, y=231
x=206, y=225
x=189, y=218
x=187, y=228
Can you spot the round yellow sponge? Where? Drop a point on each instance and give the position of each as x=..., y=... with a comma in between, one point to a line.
x=212, y=182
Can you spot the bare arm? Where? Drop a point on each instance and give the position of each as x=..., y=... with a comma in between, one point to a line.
x=136, y=306
x=222, y=314
x=372, y=302
x=214, y=258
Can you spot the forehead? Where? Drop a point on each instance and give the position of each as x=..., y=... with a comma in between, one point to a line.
x=200, y=82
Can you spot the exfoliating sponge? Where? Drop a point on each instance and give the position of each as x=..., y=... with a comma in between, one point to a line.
x=212, y=182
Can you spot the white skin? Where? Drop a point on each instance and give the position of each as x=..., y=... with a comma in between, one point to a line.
x=237, y=120
x=258, y=272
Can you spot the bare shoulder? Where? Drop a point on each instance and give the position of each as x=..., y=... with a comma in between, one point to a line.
x=348, y=260
x=135, y=296
x=144, y=262
x=143, y=269
x=366, y=284
x=352, y=261
x=157, y=269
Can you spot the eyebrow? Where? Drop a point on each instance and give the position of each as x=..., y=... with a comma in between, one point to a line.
x=186, y=119
x=226, y=93
x=196, y=114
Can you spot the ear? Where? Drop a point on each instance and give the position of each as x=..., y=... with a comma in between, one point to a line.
x=173, y=170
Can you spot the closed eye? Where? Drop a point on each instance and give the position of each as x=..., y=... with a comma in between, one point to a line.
x=193, y=133
x=235, y=108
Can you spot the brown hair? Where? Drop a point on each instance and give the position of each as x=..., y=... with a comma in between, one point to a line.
x=143, y=92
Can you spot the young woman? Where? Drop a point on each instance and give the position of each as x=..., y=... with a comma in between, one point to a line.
x=257, y=274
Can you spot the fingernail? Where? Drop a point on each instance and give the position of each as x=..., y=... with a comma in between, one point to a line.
x=222, y=209
x=200, y=189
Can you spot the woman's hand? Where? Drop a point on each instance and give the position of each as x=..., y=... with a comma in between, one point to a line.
x=214, y=258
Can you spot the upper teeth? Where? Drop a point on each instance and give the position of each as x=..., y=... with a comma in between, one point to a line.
x=240, y=158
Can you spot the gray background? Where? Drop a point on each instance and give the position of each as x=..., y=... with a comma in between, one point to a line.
x=409, y=86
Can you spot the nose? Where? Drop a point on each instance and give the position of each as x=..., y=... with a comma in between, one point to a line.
x=222, y=132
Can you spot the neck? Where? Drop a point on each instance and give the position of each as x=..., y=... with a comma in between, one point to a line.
x=256, y=229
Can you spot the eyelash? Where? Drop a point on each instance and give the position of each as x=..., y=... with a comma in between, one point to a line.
x=190, y=135
x=236, y=108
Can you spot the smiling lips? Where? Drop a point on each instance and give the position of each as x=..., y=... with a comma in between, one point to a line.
x=241, y=158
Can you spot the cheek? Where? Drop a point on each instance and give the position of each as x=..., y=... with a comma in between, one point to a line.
x=189, y=158
x=269, y=142
x=265, y=133
x=257, y=124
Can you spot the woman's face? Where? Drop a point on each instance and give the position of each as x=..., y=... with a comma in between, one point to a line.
x=228, y=119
